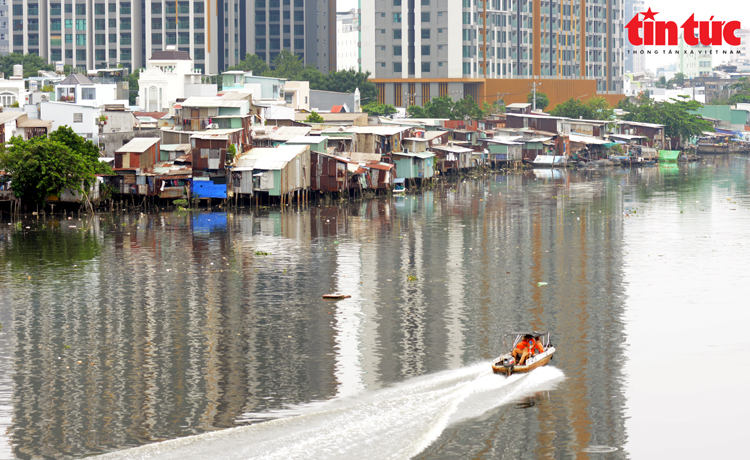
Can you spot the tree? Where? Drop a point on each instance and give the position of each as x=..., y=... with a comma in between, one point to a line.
x=542, y=101
x=742, y=91
x=314, y=117
x=252, y=63
x=45, y=166
x=375, y=109
x=346, y=81
x=595, y=108
x=133, y=86
x=32, y=64
x=415, y=111
x=675, y=115
x=287, y=65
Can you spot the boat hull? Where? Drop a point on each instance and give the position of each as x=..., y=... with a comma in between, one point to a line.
x=538, y=361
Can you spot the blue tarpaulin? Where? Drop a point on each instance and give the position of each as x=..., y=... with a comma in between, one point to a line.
x=207, y=189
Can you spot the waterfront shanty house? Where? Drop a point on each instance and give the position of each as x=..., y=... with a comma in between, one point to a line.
x=547, y=124
x=316, y=143
x=131, y=160
x=283, y=171
x=379, y=176
x=532, y=147
x=196, y=113
x=172, y=179
x=209, y=156
x=464, y=137
x=653, y=132
x=329, y=173
x=595, y=128
x=452, y=157
x=414, y=162
x=503, y=151
x=170, y=152
x=271, y=136
x=378, y=139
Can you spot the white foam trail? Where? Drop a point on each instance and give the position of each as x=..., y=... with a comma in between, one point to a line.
x=397, y=422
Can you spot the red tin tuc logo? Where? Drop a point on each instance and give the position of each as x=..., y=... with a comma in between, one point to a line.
x=661, y=33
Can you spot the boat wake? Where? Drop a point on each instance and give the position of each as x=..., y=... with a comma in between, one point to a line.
x=395, y=422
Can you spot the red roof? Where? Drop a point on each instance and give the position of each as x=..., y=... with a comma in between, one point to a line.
x=337, y=109
x=156, y=115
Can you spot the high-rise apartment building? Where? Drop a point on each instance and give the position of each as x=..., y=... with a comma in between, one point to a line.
x=694, y=61
x=4, y=27
x=95, y=33
x=494, y=39
x=347, y=40
x=633, y=62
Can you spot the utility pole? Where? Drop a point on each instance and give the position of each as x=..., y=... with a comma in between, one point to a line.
x=533, y=89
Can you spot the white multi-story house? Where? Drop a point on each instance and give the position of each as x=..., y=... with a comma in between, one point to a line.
x=170, y=75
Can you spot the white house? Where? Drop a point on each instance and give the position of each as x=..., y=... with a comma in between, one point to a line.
x=79, y=89
x=170, y=75
x=81, y=118
x=12, y=90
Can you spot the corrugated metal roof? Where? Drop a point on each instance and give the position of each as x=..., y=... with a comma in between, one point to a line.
x=378, y=130
x=32, y=123
x=360, y=157
x=637, y=123
x=281, y=133
x=307, y=140
x=208, y=101
x=175, y=147
x=139, y=144
x=451, y=148
x=586, y=140
x=10, y=116
x=269, y=159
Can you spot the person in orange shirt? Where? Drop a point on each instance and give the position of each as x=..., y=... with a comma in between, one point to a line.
x=528, y=346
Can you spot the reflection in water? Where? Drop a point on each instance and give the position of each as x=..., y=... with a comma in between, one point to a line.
x=132, y=329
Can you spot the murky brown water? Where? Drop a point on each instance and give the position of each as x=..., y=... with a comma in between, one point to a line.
x=120, y=331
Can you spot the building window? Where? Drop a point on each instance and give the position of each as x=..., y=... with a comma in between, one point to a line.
x=425, y=17
x=397, y=34
x=156, y=39
x=80, y=39
x=99, y=24
x=89, y=94
x=54, y=9
x=81, y=25
x=425, y=34
x=397, y=67
x=112, y=38
x=426, y=50
x=397, y=51
x=198, y=7
x=155, y=23
x=99, y=39
x=156, y=8
x=425, y=67
x=199, y=38
x=80, y=9
x=99, y=9
x=124, y=7
x=80, y=55
x=77, y=118
x=396, y=17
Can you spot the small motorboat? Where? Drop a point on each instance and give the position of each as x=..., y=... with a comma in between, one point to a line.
x=399, y=186
x=336, y=296
x=506, y=363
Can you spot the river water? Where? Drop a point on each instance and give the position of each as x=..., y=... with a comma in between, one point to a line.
x=121, y=331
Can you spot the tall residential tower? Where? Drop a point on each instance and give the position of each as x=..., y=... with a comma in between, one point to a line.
x=92, y=34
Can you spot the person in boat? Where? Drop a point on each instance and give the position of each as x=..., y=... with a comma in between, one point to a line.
x=528, y=346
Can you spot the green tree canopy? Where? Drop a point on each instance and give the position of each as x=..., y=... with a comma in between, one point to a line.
x=675, y=115
x=376, y=109
x=314, y=117
x=542, y=101
x=347, y=81
x=32, y=64
x=133, y=86
x=252, y=63
x=445, y=107
x=45, y=166
x=595, y=108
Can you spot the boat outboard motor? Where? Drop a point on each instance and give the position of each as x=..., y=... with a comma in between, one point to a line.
x=508, y=361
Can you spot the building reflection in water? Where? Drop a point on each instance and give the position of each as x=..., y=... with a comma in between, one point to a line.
x=177, y=324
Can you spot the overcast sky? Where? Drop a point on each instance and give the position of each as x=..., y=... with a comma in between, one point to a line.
x=669, y=10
